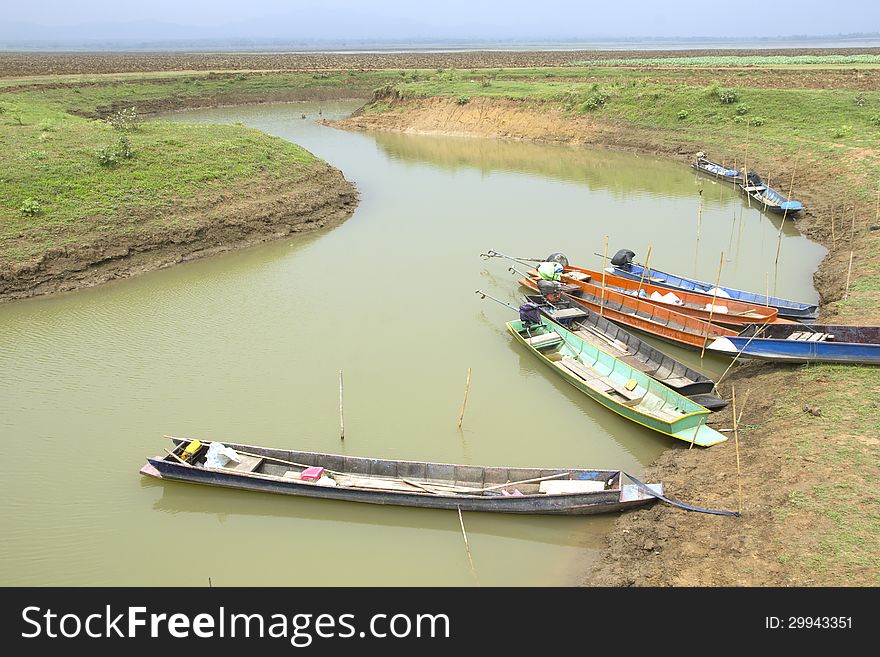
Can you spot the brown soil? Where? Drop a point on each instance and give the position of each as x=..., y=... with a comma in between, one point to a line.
x=14, y=64
x=238, y=217
x=665, y=546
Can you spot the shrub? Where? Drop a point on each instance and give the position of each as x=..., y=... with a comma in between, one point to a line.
x=876, y=120
x=758, y=120
x=727, y=96
x=463, y=100
x=712, y=90
x=841, y=131
x=485, y=83
x=595, y=101
x=124, y=149
x=742, y=109
x=30, y=207
x=125, y=119
x=859, y=100
x=109, y=156
x=682, y=115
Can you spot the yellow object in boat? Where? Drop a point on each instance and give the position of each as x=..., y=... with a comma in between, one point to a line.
x=191, y=449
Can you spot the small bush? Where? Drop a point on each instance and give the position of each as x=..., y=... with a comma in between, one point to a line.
x=107, y=156
x=682, y=115
x=463, y=100
x=125, y=119
x=124, y=148
x=594, y=102
x=876, y=120
x=485, y=83
x=859, y=100
x=841, y=131
x=742, y=109
x=727, y=96
x=712, y=90
x=30, y=207
x=758, y=120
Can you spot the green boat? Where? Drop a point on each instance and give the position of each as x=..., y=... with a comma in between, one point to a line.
x=616, y=385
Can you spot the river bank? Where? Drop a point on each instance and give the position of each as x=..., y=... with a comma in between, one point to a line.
x=803, y=523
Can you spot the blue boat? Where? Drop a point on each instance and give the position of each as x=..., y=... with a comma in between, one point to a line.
x=622, y=265
x=768, y=198
x=800, y=343
x=716, y=170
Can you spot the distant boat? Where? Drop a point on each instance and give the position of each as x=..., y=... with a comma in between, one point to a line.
x=557, y=491
x=768, y=198
x=704, y=165
x=622, y=265
x=614, y=384
x=633, y=351
x=805, y=343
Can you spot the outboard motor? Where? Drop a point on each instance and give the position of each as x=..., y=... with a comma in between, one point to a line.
x=529, y=314
x=551, y=290
x=754, y=179
x=558, y=257
x=623, y=258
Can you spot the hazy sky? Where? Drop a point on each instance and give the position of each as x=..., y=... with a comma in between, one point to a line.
x=383, y=19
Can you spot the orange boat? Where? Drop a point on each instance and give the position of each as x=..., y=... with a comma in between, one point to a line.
x=641, y=315
x=728, y=312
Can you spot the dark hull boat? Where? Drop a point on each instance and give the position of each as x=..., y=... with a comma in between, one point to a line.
x=767, y=198
x=718, y=171
x=559, y=491
x=813, y=343
x=628, y=348
x=622, y=265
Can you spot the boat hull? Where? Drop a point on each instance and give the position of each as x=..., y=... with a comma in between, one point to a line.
x=852, y=345
x=583, y=504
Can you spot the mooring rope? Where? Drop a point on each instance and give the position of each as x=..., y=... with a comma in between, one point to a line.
x=681, y=505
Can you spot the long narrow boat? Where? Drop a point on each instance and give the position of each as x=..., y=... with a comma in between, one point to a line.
x=614, y=384
x=622, y=265
x=768, y=198
x=727, y=312
x=718, y=171
x=560, y=491
x=623, y=345
x=805, y=343
x=643, y=316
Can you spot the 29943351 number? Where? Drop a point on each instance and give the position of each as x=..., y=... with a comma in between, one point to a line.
x=819, y=622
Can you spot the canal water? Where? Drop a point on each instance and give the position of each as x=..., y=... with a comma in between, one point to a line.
x=247, y=347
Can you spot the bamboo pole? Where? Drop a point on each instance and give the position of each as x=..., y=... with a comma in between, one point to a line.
x=767, y=289
x=745, y=399
x=736, y=442
x=466, y=546
x=644, y=271
x=170, y=453
x=833, y=238
x=694, y=439
x=341, y=415
x=712, y=307
x=604, y=266
x=785, y=212
x=852, y=232
x=467, y=386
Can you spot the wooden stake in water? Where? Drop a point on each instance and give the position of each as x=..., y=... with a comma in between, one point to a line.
x=644, y=270
x=604, y=265
x=736, y=442
x=466, y=546
x=467, y=386
x=785, y=213
x=341, y=416
x=712, y=307
x=694, y=439
x=767, y=289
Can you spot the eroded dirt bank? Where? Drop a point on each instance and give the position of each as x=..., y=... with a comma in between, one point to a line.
x=799, y=428
x=242, y=215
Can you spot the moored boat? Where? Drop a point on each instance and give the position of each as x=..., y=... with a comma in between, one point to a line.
x=768, y=198
x=642, y=315
x=719, y=171
x=614, y=384
x=633, y=351
x=728, y=312
x=558, y=491
x=805, y=343
x=623, y=265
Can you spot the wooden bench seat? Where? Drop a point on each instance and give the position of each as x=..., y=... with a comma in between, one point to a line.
x=810, y=336
x=568, y=313
x=544, y=340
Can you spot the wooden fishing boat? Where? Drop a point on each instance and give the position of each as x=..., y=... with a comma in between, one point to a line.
x=623, y=345
x=727, y=312
x=561, y=491
x=805, y=343
x=622, y=265
x=768, y=198
x=717, y=171
x=643, y=316
x=614, y=384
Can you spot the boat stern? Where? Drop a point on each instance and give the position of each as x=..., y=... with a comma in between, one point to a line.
x=723, y=345
x=632, y=493
x=150, y=470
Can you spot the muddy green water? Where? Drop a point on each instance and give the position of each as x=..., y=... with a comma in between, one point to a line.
x=247, y=347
